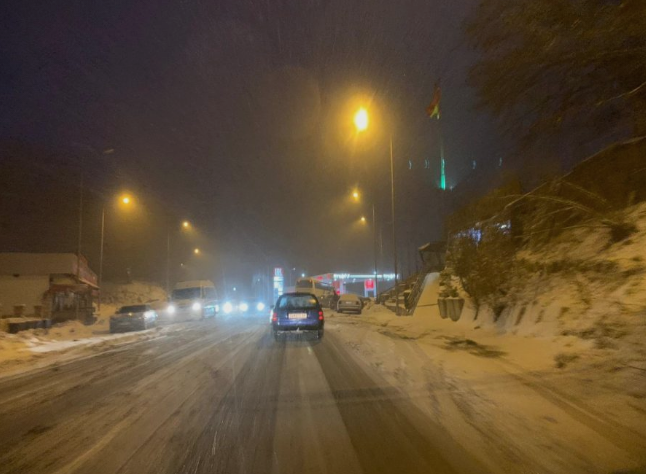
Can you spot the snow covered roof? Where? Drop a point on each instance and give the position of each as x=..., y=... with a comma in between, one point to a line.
x=18, y=263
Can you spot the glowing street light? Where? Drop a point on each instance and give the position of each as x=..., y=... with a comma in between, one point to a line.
x=361, y=119
x=196, y=251
x=361, y=123
x=186, y=224
x=126, y=200
x=363, y=219
x=355, y=195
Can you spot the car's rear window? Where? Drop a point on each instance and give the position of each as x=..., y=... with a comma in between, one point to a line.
x=139, y=308
x=297, y=302
x=349, y=297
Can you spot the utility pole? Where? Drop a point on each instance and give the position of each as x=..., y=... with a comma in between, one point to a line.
x=392, y=199
x=78, y=246
x=101, y=254
x=374, y=246
x=168, y=263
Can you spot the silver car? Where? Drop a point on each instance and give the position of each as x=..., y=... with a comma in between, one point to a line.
x=134, y=317
x=349, y=303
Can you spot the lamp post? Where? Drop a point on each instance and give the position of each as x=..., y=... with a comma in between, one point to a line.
x=361, y=122
x=125, y=200
x=356, y=196
x=186, y=226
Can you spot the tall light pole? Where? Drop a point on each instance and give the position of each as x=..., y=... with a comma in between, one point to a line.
x=101, y=253
x=78, y=246
x=361, y=121
x=186, y=226
x=374, y=248
x=125, y=200
x=168, y=260
x=392, y=202
x=357, y=196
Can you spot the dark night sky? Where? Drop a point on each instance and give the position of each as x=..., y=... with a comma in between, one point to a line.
x=235, y=114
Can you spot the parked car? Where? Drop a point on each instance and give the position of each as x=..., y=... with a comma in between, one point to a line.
x=297, y=312
x=134, y=317
x=349, y=303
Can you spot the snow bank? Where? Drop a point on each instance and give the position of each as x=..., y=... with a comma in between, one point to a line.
x=556, y=383
x=137, y=292
x=501, y=394
x=27, y=346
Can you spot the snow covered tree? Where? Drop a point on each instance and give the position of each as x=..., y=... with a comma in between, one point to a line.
x=562, y=67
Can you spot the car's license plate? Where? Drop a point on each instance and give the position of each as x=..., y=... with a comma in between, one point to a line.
x=297, y=316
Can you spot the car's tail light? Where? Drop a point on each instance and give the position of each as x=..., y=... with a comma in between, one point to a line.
x=320, y=315
x=274, y=317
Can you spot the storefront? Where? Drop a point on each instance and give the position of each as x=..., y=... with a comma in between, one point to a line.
x=56, y=286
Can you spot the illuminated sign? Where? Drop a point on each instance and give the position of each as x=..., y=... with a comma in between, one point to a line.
x=279, y=285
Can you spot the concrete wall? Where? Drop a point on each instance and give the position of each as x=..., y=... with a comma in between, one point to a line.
x=28, y=290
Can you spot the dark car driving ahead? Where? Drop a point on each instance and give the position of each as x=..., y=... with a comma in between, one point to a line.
x=298, y=312
x=139, y=316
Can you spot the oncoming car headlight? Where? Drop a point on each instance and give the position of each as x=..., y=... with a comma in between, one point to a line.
x=228, y=307
x=244, y=306
x=196, y=306
x=171, y=309
x=260, y=307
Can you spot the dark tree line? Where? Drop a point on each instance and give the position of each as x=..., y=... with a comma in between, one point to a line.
x=569, y=68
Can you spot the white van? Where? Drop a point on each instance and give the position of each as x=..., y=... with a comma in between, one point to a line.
x=326, y=294
x=196, y=299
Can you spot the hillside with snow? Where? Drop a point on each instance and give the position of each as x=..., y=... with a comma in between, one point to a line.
x=556, y=381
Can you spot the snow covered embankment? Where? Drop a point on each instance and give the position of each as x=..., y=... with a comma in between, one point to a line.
x=72, y=338
x=556, y=383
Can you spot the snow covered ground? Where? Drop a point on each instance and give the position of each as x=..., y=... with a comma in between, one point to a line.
x=38, y=347
x=522, y=402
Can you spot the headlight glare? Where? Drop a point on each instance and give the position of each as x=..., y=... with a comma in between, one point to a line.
x=196, y=306
x=228, y=307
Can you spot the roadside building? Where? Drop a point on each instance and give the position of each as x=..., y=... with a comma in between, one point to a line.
x=56, y=286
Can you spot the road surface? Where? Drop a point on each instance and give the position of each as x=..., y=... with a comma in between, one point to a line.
x=218, y=397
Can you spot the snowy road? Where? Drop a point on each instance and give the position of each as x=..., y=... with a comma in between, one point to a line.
x=218, y=397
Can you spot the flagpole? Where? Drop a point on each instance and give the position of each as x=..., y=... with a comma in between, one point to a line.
x=442, y=164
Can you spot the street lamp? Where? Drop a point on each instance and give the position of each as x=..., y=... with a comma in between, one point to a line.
x=361, y=123
x=125, y=200
x=196, y=251
x=186, y=225
x=361, y=119
x=355, y=194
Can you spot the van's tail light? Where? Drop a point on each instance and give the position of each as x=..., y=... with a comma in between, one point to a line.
x=274, y=317
x=320, y=315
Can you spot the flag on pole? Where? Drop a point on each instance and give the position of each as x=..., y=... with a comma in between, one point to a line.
x=433, y=109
